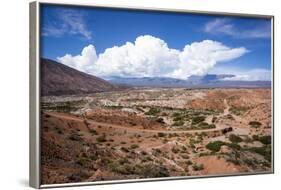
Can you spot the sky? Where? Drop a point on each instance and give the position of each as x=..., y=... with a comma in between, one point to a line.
x=117, y=42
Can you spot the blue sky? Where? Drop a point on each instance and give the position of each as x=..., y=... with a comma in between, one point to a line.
x=187, y=41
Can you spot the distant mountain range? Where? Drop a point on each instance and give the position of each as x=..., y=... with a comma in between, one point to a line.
x=59, y=79
x=207, y=81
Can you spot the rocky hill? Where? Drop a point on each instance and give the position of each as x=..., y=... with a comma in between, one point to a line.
x=58, y=79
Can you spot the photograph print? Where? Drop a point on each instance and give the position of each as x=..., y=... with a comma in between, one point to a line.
x=131, y=94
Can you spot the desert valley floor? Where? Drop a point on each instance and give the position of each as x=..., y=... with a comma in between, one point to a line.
x=155, y=132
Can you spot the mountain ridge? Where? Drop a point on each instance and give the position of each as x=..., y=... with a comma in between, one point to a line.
x=209, y=80
x=59, y=79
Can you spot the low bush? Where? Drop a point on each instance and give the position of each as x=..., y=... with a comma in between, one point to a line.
x=178, y=118
x=198, y=167
x=184, y=156
x=178, y=123
x=124, y=149
x=235, y=139
x=93, y=131
x=215, y=146
x=188, y=162
x=229, y=116
x=83, y=161
x=134, y=146
x=214, y=119
x=255, y=124
x=234, y=146
x=176, y=114
x=198, y=119
x=149, y=170
x=160, y=120
x=75, y=137
x=265, y=139
x=153, y=111
x=175, y=150
x=264, y=151
x=161, y=134
x=101, y=138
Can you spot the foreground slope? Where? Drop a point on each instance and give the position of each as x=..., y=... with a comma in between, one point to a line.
x=59, y=79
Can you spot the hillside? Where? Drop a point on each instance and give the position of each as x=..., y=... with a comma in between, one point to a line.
x=59, y=79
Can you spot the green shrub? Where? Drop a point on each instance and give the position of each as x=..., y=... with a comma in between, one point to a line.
x=161, y=134
x=101, y=138
x=175, y=150
x=184, y=156
x=214, y=119
x=198, y=119
x=124, y=149
x=75, y=137
x=188, y=162
x=255, y=124
x=125, y=169
x=160, y=120
x=215, y=146
x=234, y=146
x=153, y=111
x=203, y=125
x=149, y=170
x=198, y=167
x=178, y=123
x=255, y=137
x=176, y=114
x=229, y=116
x=82, y=161
x=264, y=151
x=235, y=139
x=265, y=139
x=134, y=146
x=93, y=131
x=178, y=118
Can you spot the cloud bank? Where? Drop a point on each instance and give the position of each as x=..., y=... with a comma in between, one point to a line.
x=226, y=27
x=251, y=75
x=149, y=56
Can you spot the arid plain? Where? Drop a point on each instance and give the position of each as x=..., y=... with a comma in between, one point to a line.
x=155, y=132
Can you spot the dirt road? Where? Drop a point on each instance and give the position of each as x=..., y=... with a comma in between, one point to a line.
x=74, y=118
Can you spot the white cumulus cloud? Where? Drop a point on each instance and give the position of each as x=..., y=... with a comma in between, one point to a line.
x=83, y=62
x=149, y=56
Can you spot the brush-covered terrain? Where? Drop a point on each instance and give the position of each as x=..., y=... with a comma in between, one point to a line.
x=155, y=132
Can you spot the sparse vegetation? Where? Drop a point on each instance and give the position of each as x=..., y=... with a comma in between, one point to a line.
x=147, y=134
